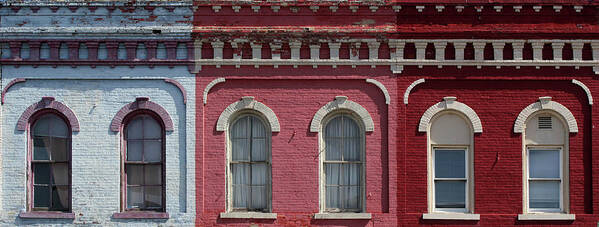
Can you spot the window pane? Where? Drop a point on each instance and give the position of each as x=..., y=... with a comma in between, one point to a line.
x=134, y=149
x=259, y=174
x=544, y=164
x=240, y=128
x=60, y=173
x=241, y=149
x=134, y=197
x=544, y=194
x=450, y=164
x=450, y=194
x=333, y=174
x=351, y=149
x=240, y=196
x=258, y=150
x=152, y=151
x=41, y=196
x=152, y=129
x=42, y=127
x=60, y=198
x=153, y=196
x=241, y=173
x=153, y=174
x=134, y=174
x=350, y=128
x=258, y=197
x=334, y=128
x=351, y=174
x=258, y=130
x=352, y=197
x=333, y=149
x=41, y=173
x=332, y=194
x=134, y=129
x=41, y=148
x=58, y=128
x=59, y=149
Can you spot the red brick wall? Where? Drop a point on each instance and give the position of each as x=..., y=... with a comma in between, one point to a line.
x=295, y=95
x=497, y=96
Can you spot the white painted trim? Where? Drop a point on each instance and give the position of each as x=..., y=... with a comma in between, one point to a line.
x=383, y=89
x=340, y=103
x=545, y=103
x=406, y=94
x=547, y=217
x=248, y=215
x=451, y=216
x=449, y=103
x=247, y=103
x=340, y=216
x=210, y=85
x=586, y=90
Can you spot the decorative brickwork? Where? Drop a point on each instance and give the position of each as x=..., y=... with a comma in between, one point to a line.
x=247, y=103
x=341, y=103
x=141, y=103
x=545, y=103
x=48, y=103
x=449, y=103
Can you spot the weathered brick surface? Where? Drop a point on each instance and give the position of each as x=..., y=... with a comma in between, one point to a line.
x=96, y=99
x=295, y=98
x=497, y=96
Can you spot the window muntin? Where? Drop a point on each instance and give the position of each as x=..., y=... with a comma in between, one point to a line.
x=50, y=164
x=144, y=163
x=450, y=179
x=343, y=165
x=250, y=165
x=545, y=180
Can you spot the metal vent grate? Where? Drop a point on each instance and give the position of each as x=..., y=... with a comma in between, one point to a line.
x=545, y=123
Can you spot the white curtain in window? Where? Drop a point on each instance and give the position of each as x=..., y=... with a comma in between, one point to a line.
x=249, y=164
x=343, y=164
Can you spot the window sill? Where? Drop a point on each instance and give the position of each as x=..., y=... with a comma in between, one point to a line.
x=546, y=217
x=46, y=215
x=140, y=215
x=342, y=216
x=451, y=216
x=248, y=215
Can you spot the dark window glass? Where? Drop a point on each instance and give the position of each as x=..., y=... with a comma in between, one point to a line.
x=144, y=164
x=50, y=165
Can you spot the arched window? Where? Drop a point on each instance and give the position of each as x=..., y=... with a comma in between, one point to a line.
x=546, y=162
x=450, y=159
x=249, y=165
x=343, y=164
x=144, y=156
x=50, y=163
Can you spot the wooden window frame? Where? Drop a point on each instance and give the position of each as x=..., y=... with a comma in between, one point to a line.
x=268, y=162
x=322, y=161
x=466, y=178
x=30, y=162
x=124, y=161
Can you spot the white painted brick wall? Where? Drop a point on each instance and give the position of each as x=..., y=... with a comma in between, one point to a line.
x=95, y=149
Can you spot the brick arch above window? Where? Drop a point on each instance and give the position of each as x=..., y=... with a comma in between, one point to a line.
x=340, y=103
x=141, y=103
x=449, y=103
x=48, y=103
x=248, y=103
x=545, y=103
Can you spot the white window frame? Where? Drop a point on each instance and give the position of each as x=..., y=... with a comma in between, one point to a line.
x=466, y=178
x=322, y=157
x=561, y=179
x=558, y=117
x=229, y=174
